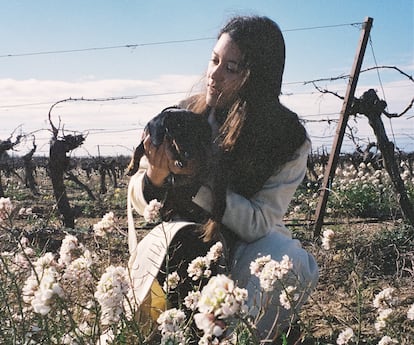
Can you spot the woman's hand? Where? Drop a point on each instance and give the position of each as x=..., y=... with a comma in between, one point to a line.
x=162, y=162
x=158, y=169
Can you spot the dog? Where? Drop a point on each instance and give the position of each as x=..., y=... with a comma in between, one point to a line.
x=190, y=137
x=188, y=133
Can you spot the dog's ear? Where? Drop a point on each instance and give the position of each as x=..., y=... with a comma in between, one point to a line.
x=136, y=157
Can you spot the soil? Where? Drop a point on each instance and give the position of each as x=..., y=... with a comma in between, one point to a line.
x=368, y=256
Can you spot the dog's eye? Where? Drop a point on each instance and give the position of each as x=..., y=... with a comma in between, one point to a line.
x=179, y=164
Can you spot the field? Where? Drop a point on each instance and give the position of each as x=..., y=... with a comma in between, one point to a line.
x=366, y=260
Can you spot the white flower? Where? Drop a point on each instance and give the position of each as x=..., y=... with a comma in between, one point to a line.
x=42, y=285
x=215, y=252
x=171, y=282
x=405, y=176
x=6, y=207
x=69, y=245
x=257, y=265
x=382, y=318
x=198, y=268
x=106, y=225
x=29, y=288
x=70, y=338
x=171, y=320
x=22, y=259
x=207, y=323
x=79, y=269
x=345, y=336
x=191, y=300
x=25, y=211
x=384, y=299
x=111, y=289
x=24, y=242
x=410, y=312
x=327, y=239
x=152, y=211
x=285, y=265
x=362, y=165
x=270, y=271
x=287, y=296
x=386, y=340
x=269, y=276
x=44, y=261
x=39, y=290
x=171, y=324
x=221, y=298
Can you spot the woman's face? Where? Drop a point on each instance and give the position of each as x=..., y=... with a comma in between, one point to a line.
x=224, y=73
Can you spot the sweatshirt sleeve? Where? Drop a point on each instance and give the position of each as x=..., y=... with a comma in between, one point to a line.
x=253, y=218
x=136, y=188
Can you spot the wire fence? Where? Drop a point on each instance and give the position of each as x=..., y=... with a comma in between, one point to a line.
x=112, y=125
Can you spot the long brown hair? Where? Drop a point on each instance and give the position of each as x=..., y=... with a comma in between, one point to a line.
x=258, y=135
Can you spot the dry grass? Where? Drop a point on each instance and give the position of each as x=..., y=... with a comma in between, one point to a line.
x=368, y=256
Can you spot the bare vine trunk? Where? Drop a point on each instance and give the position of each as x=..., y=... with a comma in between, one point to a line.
x=58, y=163
x=29, y=171
x=387, y=149
x=373, y=107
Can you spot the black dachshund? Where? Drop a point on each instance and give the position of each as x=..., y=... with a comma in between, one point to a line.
x=188, y=134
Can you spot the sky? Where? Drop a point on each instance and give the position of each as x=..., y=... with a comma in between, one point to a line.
x=123, y=61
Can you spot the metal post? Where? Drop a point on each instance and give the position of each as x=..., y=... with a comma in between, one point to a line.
x=340, y=130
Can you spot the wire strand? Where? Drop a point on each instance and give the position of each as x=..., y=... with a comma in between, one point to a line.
x=324, y=27
x=133, y=46
x=136, y=45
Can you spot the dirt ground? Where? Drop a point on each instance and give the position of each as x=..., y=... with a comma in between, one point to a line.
x=368, y=255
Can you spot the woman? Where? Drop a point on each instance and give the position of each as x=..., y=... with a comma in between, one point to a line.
x=261, y=148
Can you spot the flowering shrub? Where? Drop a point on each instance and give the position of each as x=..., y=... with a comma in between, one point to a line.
x=220, y=300
x=362, y=191
x=71, y=294
x=68, y=298
x=42, y=285
x=105, y=226
x=110, y=292
x=219, y=310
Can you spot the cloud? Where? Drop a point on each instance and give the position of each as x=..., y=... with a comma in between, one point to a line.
x=320, y=111
x=114, y=126
x=26, y=104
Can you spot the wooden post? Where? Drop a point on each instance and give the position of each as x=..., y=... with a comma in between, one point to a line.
x=340, y=130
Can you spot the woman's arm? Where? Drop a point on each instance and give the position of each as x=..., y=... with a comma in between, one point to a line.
x=136, y=188
x=253, y=218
